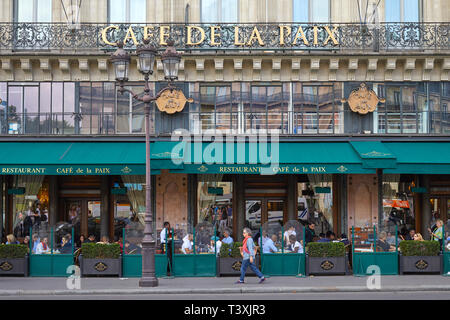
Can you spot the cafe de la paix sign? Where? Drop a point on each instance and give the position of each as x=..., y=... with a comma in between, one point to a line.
x=227, y=36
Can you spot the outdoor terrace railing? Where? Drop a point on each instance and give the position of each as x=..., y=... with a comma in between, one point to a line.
x=340, y=37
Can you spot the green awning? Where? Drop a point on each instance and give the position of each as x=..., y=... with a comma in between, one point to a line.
x=81, y=158
x=256, y=158
x=420, y=157
x=374, y=154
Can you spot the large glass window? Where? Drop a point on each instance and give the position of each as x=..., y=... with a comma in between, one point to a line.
x=215, y=201
x=317, y=108
x=213, y=11
x=311, y=10
x=125, y=11
x=398, y=205
x=33, y=10
x=315, y=201
x=402, y=10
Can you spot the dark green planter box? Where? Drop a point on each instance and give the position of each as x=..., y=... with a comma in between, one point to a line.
x=100, y=267
x=420, y=264
x=232, y=266
x=14, y=266
x=326, y=265
x=283, y=264
x=50, y=265
x=387, y=261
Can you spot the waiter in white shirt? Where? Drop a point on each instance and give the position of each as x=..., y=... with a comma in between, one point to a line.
x=166, y=244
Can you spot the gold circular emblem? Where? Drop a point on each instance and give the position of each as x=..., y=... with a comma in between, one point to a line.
x=363, y=100
x=327, y=265
x=236, y=265
x=6, y=266
x=172, y=100
x=100, y=267
x=421, y=264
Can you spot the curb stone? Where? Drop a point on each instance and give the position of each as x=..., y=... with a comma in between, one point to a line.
x=223, y=290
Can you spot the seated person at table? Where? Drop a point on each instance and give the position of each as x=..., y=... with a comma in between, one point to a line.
x=66, y=247
x=382, y=242
x=327, y=238
x=104, y=240
x=42, y=247
x=418, y=237
x=218, y=245
x=90, y=239
x=269, y=246
x=288, y=233
x=263, y=239
x=344, y=239
x=227, y=238
x=36, y=242
x=11, y=239
x=294, y=245
x=186, y=247
x=322, y=237
x=131, y=248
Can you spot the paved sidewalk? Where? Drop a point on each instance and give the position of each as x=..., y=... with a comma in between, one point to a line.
x=57, y=286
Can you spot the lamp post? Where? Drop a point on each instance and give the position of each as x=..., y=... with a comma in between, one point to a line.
x=121, y=61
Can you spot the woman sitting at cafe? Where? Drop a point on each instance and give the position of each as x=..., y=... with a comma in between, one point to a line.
x=43, y=247
x=294, y=245
x=11, y=239
x=418, y=237
x=382, y=242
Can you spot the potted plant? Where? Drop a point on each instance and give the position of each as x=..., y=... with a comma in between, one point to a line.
x=100, y=259
x=420, y=256
x=326, y=258
x=13, y=259
x=230, y=260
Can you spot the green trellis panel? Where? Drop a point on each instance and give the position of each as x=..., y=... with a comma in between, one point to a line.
x=283, y=264
x=387, y=261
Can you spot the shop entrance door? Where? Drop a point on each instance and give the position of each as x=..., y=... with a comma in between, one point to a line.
x=84, y=214
x=260, y=210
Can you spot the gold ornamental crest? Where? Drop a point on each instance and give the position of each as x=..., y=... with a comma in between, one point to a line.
x=172, y=100
x=363, y=100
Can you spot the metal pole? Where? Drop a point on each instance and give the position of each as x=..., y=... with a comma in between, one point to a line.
x=148, y=243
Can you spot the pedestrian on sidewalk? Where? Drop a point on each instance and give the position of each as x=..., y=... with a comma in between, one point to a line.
x=248, y=252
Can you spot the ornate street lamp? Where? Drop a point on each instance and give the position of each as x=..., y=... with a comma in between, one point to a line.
x=121, y=61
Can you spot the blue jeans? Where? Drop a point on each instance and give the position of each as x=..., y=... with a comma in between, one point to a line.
x=245, y=264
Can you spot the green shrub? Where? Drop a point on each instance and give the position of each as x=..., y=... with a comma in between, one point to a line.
x=420, y=248
x=13, y=251
x=100, y=250
x=233, y=251
x=325, y=249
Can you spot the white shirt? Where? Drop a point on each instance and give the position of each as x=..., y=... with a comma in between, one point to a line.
x=187, y=244
x=218, y=246
x=296, y=244
x=163, y=235
x=40, y=249
x=288, y=233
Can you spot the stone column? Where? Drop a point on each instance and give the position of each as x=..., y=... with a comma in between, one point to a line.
x=426, y=206
x=292, y=198
x=238, y=206
x=104, y=207
x=53, y=200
